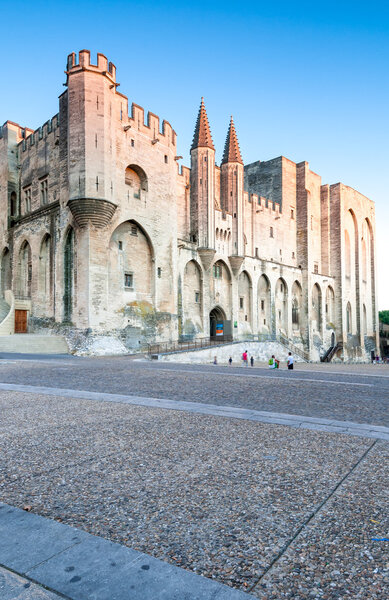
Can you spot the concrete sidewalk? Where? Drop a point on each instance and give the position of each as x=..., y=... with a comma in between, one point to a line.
x=42, y=557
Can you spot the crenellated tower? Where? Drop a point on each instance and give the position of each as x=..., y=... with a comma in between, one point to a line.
x=232, y=192
x=202, y=180
x=91, y=107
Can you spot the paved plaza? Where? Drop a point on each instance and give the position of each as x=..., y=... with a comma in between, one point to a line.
x=271, y=483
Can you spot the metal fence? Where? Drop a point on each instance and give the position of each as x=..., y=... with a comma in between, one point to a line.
x=198, y=344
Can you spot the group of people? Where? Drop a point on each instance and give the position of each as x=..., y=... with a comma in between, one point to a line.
x=274, y=363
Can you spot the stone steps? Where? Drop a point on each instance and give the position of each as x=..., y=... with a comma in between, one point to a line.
x=4, y=309
x=28, y=343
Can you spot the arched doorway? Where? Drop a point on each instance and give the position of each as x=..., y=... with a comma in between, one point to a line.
x=219, y=327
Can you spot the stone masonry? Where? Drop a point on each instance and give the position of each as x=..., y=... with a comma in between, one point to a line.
x=103, y=232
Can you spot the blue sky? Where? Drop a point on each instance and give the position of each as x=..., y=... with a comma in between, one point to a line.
x=307, y=80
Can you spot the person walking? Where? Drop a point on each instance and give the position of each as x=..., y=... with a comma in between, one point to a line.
x=245, y=359
x=290, y=362
x=230, y=361
x=252, y=361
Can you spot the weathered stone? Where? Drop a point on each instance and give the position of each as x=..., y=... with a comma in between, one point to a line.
x=100, y=230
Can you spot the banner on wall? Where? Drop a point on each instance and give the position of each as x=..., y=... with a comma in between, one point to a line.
x=219, y=328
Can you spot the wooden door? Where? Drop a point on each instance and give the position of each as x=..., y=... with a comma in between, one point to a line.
x=20, y=321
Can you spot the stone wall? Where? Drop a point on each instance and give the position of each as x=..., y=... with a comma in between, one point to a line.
x=136, y=243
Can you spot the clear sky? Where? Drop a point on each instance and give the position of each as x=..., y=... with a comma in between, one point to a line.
x=308, y=80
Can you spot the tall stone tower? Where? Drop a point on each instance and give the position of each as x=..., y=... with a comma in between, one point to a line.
x=202, y=180
x=90, y=91
x=232, y=193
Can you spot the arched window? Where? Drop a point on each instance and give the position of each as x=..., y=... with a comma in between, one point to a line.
x=136, y=179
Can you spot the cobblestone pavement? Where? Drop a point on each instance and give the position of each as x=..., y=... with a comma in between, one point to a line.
x=275, y=511
x=358, y=393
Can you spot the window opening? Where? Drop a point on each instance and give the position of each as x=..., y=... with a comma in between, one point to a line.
x=128, y=280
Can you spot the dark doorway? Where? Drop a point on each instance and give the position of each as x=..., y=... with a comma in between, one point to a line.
x=219, y=327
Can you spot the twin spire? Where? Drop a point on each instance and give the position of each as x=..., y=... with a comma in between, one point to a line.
x=231, y=148
x=202, y=136
x=203, y=139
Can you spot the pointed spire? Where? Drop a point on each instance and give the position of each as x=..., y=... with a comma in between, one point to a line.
x=202, y=135
x=231, y=148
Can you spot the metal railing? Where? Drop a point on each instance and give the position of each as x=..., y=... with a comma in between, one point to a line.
x=332, y=350
x=182, y=346
x=200, y=343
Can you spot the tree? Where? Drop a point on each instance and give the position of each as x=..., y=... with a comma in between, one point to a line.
x=384, y=316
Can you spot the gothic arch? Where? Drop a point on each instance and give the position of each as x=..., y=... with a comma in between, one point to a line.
x=24, y=273
x=245, y=297
x=220, y=283
x=5, y=271
x=131, y=265
x=317, y=313
x=297, y=301
x=192, y=298
x=264, y=304
x=136, y=178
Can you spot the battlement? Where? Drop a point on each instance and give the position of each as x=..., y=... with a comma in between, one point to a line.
x=264, y=204
x=151, y=126
x=49, y=127
x=21, y=132
x=83, y=63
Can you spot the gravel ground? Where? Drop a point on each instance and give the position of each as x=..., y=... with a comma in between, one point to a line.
x=278, y=392
x=339, y=555
x=217, y=496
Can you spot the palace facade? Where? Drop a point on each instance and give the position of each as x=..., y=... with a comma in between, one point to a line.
x=101, y=230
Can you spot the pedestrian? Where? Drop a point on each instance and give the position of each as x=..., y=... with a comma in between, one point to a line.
x=215, y=360
x=290, y=361
x=245, y=359
x=252, y=361
x=272, y=362
x=230, y=361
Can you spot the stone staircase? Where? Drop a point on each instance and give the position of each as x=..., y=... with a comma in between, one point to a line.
x=4, y=309
x=29, y=343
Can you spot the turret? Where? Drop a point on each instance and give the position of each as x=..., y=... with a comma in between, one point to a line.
x=202, y=181
x=92, y=106
x=232, y=188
